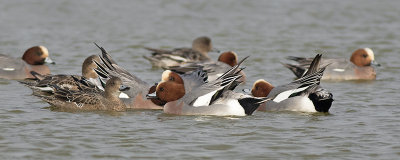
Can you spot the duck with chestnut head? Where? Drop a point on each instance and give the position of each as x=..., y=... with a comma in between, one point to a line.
x=33, y=59
x=360, y=66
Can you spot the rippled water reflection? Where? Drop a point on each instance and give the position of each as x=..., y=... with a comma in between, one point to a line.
x=362, y=123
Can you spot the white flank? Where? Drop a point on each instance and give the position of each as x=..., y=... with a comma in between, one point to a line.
x=235, y=108
x=284, y=95
x=204, y=100
x=9, y=69
x=177, y=58
x=338, y=70
x=96, y=82
x=123, y=95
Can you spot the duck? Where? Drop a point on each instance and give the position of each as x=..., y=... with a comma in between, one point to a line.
x=33, y=59
x=164, y=58
x=359, y=67
x=302, y=95
x=108, y=68
x=214, y=69
x=192, y=94
x=42, y=83
x=64, y=99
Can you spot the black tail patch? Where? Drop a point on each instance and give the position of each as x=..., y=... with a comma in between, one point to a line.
x=322, y=100
x=250, y=104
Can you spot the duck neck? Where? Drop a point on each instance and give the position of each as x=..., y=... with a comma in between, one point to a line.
x=112, y=96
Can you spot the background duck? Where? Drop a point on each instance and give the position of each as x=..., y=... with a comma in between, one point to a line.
x=165, y=58
x=359, y=67
x=214, y=69
x=33, y=59
x=108, y=68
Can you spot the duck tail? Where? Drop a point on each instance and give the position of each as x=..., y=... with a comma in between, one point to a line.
x=314, y=66
x=250, y=104
x=322, y=100
x=297, y=59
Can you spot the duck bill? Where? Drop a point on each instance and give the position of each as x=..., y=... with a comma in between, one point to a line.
x=374, y=63
x=49, y=61
x=123, y=88
x=151, y=95
x=246, y=91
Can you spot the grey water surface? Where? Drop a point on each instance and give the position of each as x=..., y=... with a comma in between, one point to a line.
x=363, y=123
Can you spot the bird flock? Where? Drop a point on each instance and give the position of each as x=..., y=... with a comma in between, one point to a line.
x=191, y=84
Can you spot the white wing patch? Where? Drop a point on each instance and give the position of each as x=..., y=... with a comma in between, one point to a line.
x=284, y=95
x=338, y=70
x=8, y=69
x=177, y=58
x=204, y=100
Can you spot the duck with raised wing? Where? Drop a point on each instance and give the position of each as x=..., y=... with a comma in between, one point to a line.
x=192, y=94
x=108, y=68
x=34, y=59
x=165, y=58
x=302, y=95
x=360, y=66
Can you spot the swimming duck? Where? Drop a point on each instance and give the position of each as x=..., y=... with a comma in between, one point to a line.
x=165, y=58
x=192, y=94
x=360, y=66
x=32, y=60
x=81, y=100
x=108, y=68
x=302, y=95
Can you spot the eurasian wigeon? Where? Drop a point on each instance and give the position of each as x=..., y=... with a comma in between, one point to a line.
x=226, y=60
x=64, y=99
x=44, y=82
x=32, y=60
x=165, y=58
x=191, y=94
x=302, y=95
x=360, y=66
x=108, y=68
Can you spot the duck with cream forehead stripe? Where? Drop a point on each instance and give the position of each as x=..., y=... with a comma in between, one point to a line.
x=33, y=59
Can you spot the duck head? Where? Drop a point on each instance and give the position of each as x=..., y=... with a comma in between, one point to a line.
x=168, y=75
x=261, y=88
x=168, y=91
x=363, y=57
x=229, y=58
x=88, y=67
x=202, y=44
x=37, y=55
x=114, y=88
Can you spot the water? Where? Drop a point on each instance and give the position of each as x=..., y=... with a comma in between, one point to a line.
x=362, y=123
